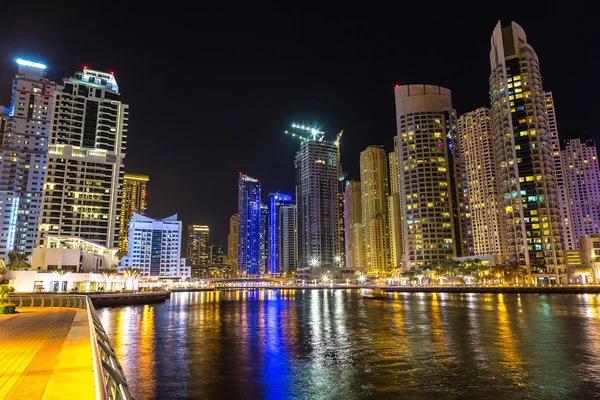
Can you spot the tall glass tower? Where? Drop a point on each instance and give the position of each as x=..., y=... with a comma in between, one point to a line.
x=25, y=129
x=249, y=212
x=317, y=194
x=283, y=254
x=524, y=157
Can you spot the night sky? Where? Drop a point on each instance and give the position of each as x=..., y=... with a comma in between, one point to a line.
x=210, y=94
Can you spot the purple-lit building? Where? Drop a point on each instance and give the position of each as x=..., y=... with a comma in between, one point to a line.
x=582, y=186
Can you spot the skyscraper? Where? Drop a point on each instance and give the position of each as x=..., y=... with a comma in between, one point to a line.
x=216, y=254
x=249, y=212
x=154, y=246
x=233, y=253
x=263, y=238
x=353, y=220
x=478, y=150
x=317, y=174
x=569, y=241
x=374, y=202
x=524, y=158
x=25, y=129
x=198, y=245
x=84, y=172
x=582, y=183
x=283, y=249
x=394, y=210
x=431, y=183
x=133, y=201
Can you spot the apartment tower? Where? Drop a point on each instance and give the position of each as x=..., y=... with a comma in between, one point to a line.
x=249, y=211
x=84, y=171
x=25, y=129
x=524, y=157
x=374, y=203
x=478, y=151
x=582, y=183
x=133, y=201
x=431, y=183
x=317, y=174
x=198, y=241
x=353, y=221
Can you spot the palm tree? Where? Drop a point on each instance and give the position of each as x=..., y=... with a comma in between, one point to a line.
x=131, y=275
x=17, y=260
x=108, y=274
x=3, y=271
x=583, y=272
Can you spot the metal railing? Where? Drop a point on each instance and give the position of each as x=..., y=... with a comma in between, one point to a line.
x=109, y=376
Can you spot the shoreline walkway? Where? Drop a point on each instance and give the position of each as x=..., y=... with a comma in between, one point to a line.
x=45, y=353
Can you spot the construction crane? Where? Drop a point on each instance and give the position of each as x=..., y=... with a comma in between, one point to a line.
x=305, y=133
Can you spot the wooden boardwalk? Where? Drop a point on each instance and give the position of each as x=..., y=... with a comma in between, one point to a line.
x=45, y=353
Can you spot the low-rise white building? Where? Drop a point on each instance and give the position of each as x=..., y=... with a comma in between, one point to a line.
x=154, y=247
x=63, y=282
x=73, y=254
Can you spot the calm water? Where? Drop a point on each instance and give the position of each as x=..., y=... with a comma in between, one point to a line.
x=331, y=344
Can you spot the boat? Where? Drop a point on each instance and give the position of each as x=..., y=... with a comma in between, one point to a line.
x=372, y=293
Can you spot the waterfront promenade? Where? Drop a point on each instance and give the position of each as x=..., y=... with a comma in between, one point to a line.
x=46, y=353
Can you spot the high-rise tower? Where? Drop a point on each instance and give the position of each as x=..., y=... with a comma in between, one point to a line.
x=283, y=234
x=263, y=238
x=395, y=211
x=317, y=175
x=431, y=183
x=374, y=202
x=25, y=129
x=133, y=201
x=198, y=250
x=478, y=150
x=249, y=212
x=524, y=158
x=582, y=183
x=233, y=253
x=353, y=220
x=84, y=172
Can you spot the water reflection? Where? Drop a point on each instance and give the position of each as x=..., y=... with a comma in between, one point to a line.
x=333, y=344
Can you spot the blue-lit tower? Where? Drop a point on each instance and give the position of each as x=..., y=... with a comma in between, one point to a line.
x=283, y=253
x=249, y=230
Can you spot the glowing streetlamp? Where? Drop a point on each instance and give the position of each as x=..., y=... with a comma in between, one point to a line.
x=314, y=262
x=361, y=279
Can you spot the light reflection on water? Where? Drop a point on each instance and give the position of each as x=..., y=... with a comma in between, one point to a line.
x=326, y=344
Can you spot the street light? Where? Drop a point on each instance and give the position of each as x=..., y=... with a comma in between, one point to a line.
x=314, y=262
x=362, y=279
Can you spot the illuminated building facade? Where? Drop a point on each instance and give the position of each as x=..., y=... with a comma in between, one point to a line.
x=154, y=247
x=582, y=186
x=133, y=200
x=394, y=211
x=283, y=249
x=263, y=238
x=478, y=150
x=317, y=175
x=216, y=254
x=25, y=129
x=84, y=171
x=249, y=212
x=232, y=241
x=198, y=251
x=353, y=221
x=526, y=174
x=433, y=206
x=374, y=202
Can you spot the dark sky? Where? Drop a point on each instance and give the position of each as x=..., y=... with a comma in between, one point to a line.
x=211, y=93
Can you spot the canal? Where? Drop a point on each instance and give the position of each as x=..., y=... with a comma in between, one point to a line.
x=332, y=344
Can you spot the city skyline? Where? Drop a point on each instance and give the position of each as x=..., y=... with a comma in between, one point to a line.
x=306, y=98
